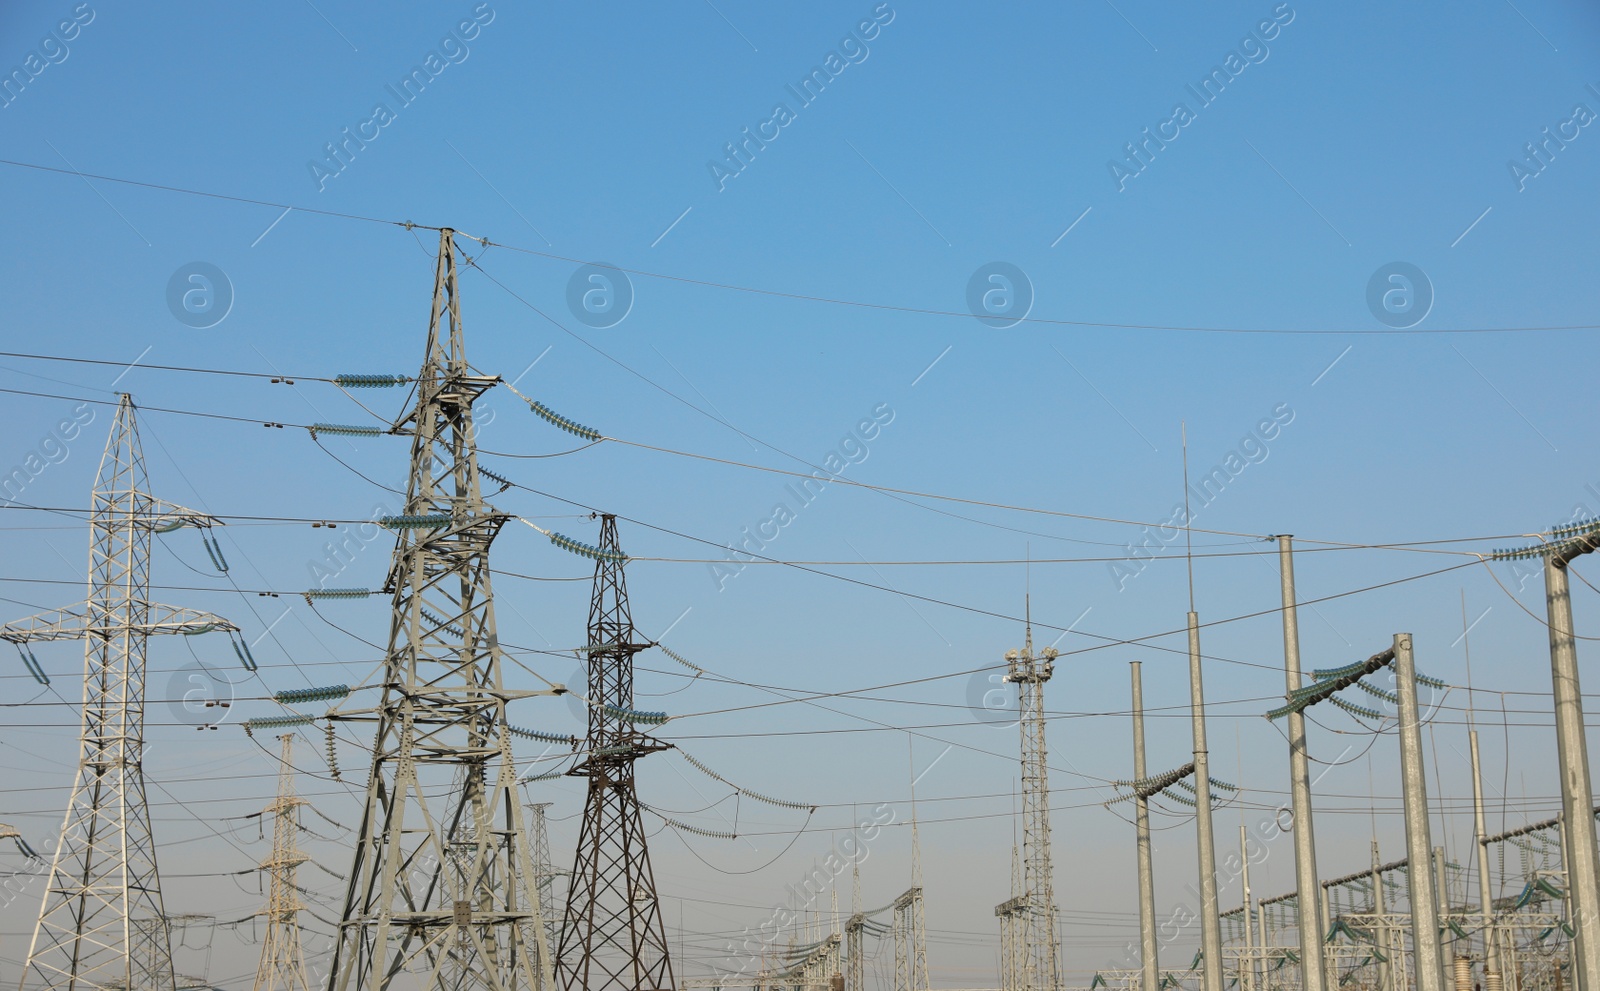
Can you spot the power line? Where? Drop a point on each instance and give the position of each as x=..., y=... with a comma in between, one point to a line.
x=809, y=297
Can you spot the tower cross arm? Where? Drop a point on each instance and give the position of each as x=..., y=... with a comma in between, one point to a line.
x=73, y=623
x=161, y=515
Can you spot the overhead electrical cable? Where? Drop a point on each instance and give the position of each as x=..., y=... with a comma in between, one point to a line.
x=797, y=296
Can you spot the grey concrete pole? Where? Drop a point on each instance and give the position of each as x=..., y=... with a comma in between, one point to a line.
x=1149, y=960
x=1261, y=933
x=1247, y=969
x=1210, y=919
x=1428, y=953
x=1313, y=975
x=1485, y=896
x=1577, y=797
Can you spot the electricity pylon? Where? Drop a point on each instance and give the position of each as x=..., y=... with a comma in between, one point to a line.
x=441, y=883
x=612, y=935
x=1010, y=913
x=283, y=961
x=544, y=874
x=854, y=933
x=1041, y=956
x=102, y=923
x=910, y=922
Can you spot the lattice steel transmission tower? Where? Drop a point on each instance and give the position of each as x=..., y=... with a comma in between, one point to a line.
x=854, y=936
x=442, y=883
x=910, y=942
x=612, y=936
x=1041, y=952
x=1010, y=914
x=102, y=923
x=283, y=960
x=544, y=873
x=910, y=923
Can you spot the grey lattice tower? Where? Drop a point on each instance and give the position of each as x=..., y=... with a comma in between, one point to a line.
x=102, y=924
x=283, y=960
x=544, y=872
x=910, y=942
x=441, y=891
x=1041, y=956
x=1010, y=913
x=612, y=935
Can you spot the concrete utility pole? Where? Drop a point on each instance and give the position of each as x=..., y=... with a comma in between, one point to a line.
x=1577, y=797
x=1429, y=956
x=1247, y=973
x=1485, y=897
x=1149, y=960
x=1313, y=973
x=1210, y=920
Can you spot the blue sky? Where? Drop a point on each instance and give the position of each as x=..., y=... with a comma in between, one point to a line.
x=1224, y=283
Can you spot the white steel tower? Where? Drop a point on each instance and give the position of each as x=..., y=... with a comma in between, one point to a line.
x=102, y=923
x=283, y=960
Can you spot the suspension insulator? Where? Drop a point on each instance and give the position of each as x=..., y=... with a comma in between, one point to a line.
x=570, y=426
x=345, y=430
x=299, y=696
x=369, y=381
x=412, y=521
x=278, y=722
x=582, y=549
x=337, y=593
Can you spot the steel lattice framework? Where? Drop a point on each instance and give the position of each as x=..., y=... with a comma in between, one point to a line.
x=544, y=873
x=283, y=960
x=1041, y=954
x=442, y=886
x=102, y=923
x=1011, y=913
x=612, y=935
x=910, y=942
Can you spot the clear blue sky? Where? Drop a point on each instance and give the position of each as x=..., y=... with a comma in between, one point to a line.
x=1346, y=138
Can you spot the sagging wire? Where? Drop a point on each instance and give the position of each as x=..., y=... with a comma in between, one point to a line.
x=208, y=539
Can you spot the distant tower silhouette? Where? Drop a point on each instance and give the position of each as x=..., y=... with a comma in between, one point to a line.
x=612, y=936
x=1041, y=954
x=544, y=874
x=283, y=961
x=102, y=923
